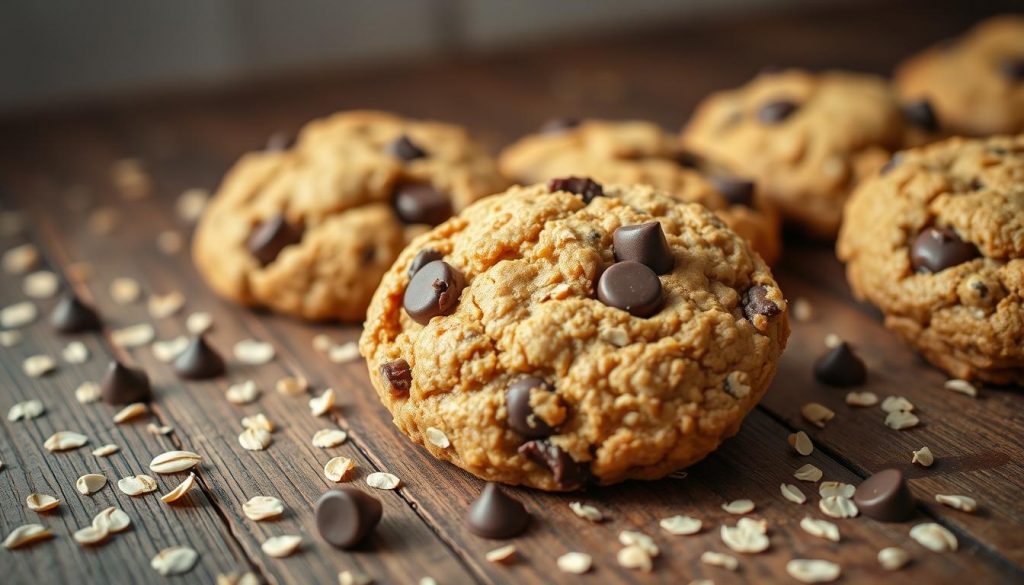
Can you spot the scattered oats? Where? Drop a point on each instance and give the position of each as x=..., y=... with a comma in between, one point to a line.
x=813, y=570
x=112, y=519
x=327, y=438
x=182, y=489
x=26, y=534
x=258, y=421
x=961, y=386
x=41, y=285
x=131, y=179
x=137, y=485
x=18, y=315
x=154, y=429
x=816, y=414
x=838, y=507
x=586, y=511
x=716, y=559
x=88, y=392
x=681, y=525
x=75, y=352
x=745, y=537
x=322, y=404
x=90, y=535
x=191, y=203
x=10, y=338
x=64, y=441
x=281, y=546
x=162, y=306
x=820, y=528
x=836, y=488
x=106, y=450
x=168, y=349
x=736, y=386
x=133, y=336
x=337, y=468
x=35, y=366
x=344, y=353
x=576, y=563
x=832, y=341
x=170, y=242
x=383, y=481
x=254, y=439
x=26, y=410
x=20, y=259
x=262, y=508
x=792, y=493
x=90, y=483
x=934, y=537
x=242, y=392
x=639, y=539
x=502, y=555
x=862, y=399
x=198, y=323
x=125, y=290
x=962, y=503
x=131, y=411
x=634, y=557
x=292, y=385
x=322, y=342
x=901, y=419
x=174, y=560
x=356, y=578
x=893, y=558
x=923, y=457
x=437, y=438
x=174, y=461
x=896, y=404
x=103, y=221
x=801, y=443
x=41, y=502
x=739, y=507
x=802, y=310
x=253, y=352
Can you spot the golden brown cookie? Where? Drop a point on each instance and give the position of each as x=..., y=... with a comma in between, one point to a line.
x=636, y=152
x=976, y=82
x=310, y=230
x=937, y=242
x=553, y=338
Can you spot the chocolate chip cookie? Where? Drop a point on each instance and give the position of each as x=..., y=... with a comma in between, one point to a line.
x=562, y=334
x=937, y=242
x=976, y=82
x=636, y=152
x=310, y=230
x=805, y=138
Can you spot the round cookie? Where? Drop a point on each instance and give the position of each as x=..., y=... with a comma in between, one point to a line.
x=805, y=138
x=543, y=349
x=637, y=152
x=976, y=82
x=937, y=243
x=311, y=230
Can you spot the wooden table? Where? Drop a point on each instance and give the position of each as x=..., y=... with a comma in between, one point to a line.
x=48, y=161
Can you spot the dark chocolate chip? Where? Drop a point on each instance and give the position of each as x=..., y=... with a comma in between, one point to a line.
x=884, y=496
x=280, y=141
x=398, y=375
x=892, y=163
x=937, y=248
x=346, y=516
x=423, y=258
x=776, y=111
x=566, y=471
x=1013, y=68
x=840, y=367
x=688, y=159
x=582, y=186
x=735, y=190
x=71, y=315
x=520, y=413
x=421, y=203
x=922, y=115
x=270, y=237
x=405, y=149
x=124, y=385
x=644, y=243
x=976, y=184
x=630, y=286
x=756, y=302
x=496, y=514
x=198, y=361
x=556, y=125
x=434, y=290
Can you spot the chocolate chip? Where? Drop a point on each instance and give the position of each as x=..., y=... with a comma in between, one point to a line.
x=496, y=514
x=198, y=361
x=405, y=149
x=756, y=302
x=921, y=114
x=892, y=163
x=735, y=190
x=124, y=385
x=630, y=286
x=884, y=496
x=520, y=412
x=423, y=258
x=346, y=516
x=937, y=248
x=421, y=203
x=582, y=186
x=398, y=375
x=840, y=367
x=566, y=471
x=71, y=315
x=644, y=243
x=280, y=141
x=434, y=290
x=976, y=184
x=776, y=111
x=1013, y=68
x=687, y=159
x=556, y=125
x=270, y=237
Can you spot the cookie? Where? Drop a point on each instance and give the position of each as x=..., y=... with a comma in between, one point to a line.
x=805, y=138
x=573, y=333
x=310, y=230
x=937, y=243
x=975, y=83
x=636, y=152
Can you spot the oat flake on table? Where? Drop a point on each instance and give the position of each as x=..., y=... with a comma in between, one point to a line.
x=576, y=563
x=27, y=410
x=75, y=352
x=281, y=546
x=321, y=405
x=681, y=525
x=327, y=438
x=253, y=352
x=137, y=485
x=242, y=392
x=813, y=570
x=383, y=481
x=41, y=285
x=262, y=508
x=179, y=492
x=586, y=511
x=338, y=467
x=175, y=560
x=18, y=315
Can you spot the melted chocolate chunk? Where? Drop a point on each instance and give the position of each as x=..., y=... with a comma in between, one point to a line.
x=520, y=412
x=937, y=248
x=398, y=375
x=270, y=237
x=566, y=471
x=756, y=302
x=582, y=186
